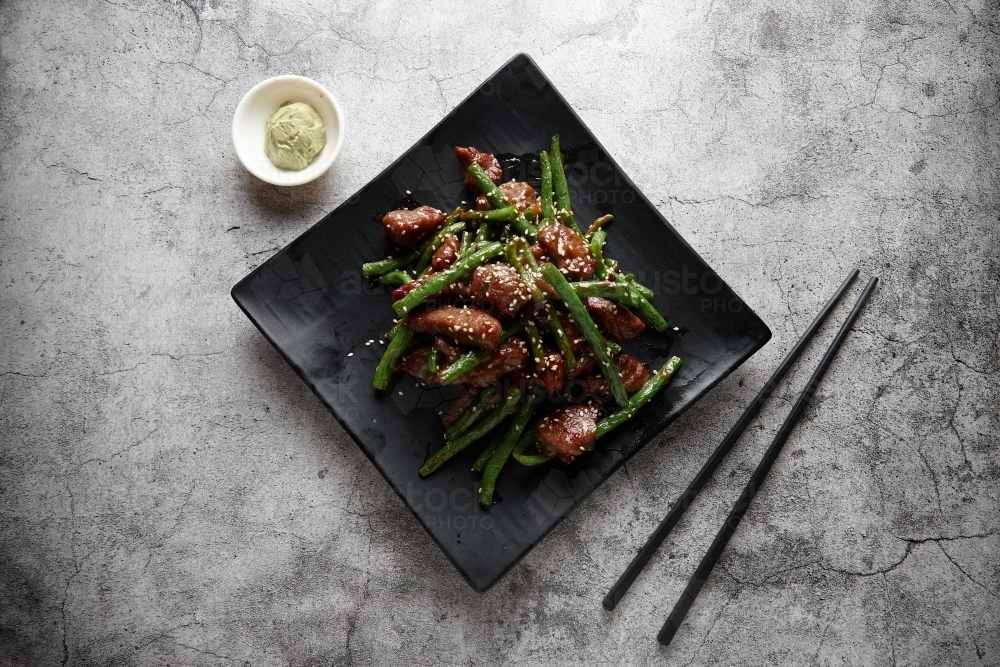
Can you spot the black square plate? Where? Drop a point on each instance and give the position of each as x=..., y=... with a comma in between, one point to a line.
x=311, y=302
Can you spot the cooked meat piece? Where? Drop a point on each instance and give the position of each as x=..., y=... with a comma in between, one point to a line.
x=462, y=404
x=512, y=354
x=552, y=373
x=632, y=372
x=570, y=252
x=576, y=339
x=446, y=255
x=466, y=156
x=407, y=228
x=584, y=363
x=568, y=431
x=538, y=251
x=414, y=362
x=499, y=285
x=614, y=319
x=468, y=326
x=518, y=193
x=448, y=347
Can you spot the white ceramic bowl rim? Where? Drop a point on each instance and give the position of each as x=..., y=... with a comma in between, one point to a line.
x=263, y=100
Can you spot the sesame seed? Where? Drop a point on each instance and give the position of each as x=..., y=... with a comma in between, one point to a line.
x=350, y=354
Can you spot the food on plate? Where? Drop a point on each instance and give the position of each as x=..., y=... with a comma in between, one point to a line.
x=513, y=302
x=294, y=135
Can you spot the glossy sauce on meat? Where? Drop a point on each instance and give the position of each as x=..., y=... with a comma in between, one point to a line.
x=446, y=254
x=576, y=339
x=512, y=354
x=615, y=320
x=414, y=362
x=568, y=431
x=466, y=156
x=552, y=372
x=499, y=285
x=468, y=326
x=408, y=227
x=632, y=372
x=571, y=254
x=521, y=195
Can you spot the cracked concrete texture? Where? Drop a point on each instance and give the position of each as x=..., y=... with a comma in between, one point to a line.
x=171, y=493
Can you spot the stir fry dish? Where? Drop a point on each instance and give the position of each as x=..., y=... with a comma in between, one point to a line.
x=515, y=303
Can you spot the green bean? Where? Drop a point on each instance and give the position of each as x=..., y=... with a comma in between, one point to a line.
x=400, y=341
x=534, y=339
x=597, y=224
x=547, y=213
x=563, y=342
x=438, y=282
x=396, y=278
x=484, y=426
x=466, y=244
x=505, y=214
x=648, y=312
x=526, y=440
x=512, y=252
x=435, y=242
x=525, y=228
x=589, y=330
x=641, y=397
x=484, y=456
x=483, y=233
x=597, y=250
x=488, y=187
x=391, y=333
x=503, y=451
x=389, y=264
x=561, y=187
x=616, y=291
x=470, y=416
x=471, y=359
x=639, y=287
x=433, y=359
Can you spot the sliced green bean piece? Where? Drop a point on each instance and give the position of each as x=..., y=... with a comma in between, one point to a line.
x=597, y=224
x=524, y=228
x=564, y=207
x=396, y=278
x=400, y=341
x=534, y=339
x=589, y=330
x=503, y=451
x=389, y=264
x=597, y=250
x=528, y=439
x=484, y=456
x=481, y=428
x=547, y=211
x=641, y=397
x=433, y=359
x=438, y=282
x=488, y=187
x=563, y=342
x=472, y=413
x=505, y=214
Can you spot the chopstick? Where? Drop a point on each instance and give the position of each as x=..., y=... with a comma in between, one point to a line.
x=640, y=560
x=714, y=552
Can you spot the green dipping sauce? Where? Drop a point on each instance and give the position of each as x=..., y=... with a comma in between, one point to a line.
x=295, y=135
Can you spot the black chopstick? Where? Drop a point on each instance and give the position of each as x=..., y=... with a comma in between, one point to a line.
x=621, y=586
x=736, y=514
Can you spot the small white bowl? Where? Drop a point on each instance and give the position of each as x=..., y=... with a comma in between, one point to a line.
x=249, y=123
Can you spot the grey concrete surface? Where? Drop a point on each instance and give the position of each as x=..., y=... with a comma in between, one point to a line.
x=172, y=494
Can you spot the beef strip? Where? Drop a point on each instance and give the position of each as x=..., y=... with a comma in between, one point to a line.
x=571, y=254
x=446, y=254
x=468, y=326
x=614, y=319
x=568, y=431
x=512, y=354
x=408, y=227
x=500, y=286
x=414, y=362
x=466, y=156
x=519, y=194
